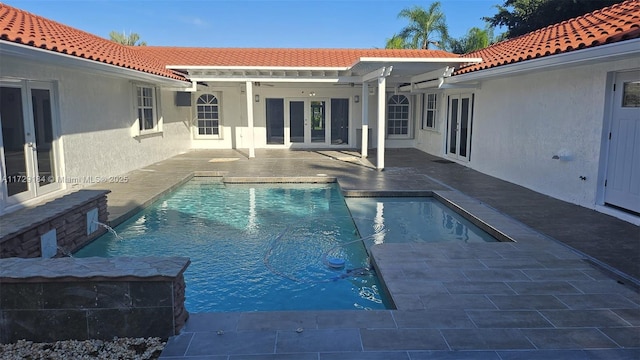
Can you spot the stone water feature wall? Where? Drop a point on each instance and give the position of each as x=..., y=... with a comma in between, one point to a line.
x=56, y=228
x=46, y=300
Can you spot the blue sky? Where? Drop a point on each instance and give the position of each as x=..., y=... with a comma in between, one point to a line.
x=257, y=23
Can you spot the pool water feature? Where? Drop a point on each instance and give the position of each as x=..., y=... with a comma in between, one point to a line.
x=254, y=247
x=414, y=219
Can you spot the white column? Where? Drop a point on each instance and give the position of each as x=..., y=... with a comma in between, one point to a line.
x=364, y=98
x=249, y=92
x=382, y=83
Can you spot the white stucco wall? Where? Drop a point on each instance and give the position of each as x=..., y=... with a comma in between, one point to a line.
x=521, y=122
x=234, y=125
x=432, y=140
x=95, y=120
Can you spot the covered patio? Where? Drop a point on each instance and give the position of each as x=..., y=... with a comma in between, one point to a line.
x=376, y=76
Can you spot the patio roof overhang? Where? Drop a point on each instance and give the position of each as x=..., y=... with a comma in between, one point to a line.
x=382, y=72
x=405, y=71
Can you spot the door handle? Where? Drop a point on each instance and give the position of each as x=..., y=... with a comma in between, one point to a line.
x=31, y=145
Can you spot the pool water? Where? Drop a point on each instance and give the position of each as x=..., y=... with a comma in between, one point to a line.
x=254, y=247
x=402, y=220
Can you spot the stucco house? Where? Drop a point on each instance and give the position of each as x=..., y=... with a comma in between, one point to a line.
x=556, y=110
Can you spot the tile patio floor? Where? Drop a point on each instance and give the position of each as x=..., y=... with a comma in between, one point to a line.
x=536, y=298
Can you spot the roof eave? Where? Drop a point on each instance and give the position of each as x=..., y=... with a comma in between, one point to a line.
x=455, y=60
x=253, y=68
x=61, y=59
x=617, y=50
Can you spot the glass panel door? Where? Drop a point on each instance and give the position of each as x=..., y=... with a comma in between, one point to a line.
x=318, y=125
x=14, y=141
x=296, y=121
x=453, y=126
x=464, y=126
x=459, y=126
x=307, y=122
x=275, y=121
x=44, y=162
x=339, y=121
x=28, y=140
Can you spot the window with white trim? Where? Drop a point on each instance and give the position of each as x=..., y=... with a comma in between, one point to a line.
x=430, y=108
x=398, y=115
x=147, y=108
x=208, y=116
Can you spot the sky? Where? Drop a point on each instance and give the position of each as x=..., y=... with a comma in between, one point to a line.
x=254, y=23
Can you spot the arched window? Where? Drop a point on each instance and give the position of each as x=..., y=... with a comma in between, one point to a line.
x=398, y=115
x=208, y=115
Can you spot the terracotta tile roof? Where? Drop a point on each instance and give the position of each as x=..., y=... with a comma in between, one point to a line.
x=615, y=23
x=278, y=57
x=605, y=26
x=22, y=27
x=28, y=29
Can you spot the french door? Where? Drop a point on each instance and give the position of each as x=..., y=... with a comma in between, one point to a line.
x=622, y=185
x=308, y=122
x=28, y=152
x=459, y=126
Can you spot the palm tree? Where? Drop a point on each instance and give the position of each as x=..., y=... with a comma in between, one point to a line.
x=397, y=42
x=132, y=39
x=475, y=39
x=423, y=26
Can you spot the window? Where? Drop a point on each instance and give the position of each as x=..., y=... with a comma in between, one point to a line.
x=429, y=115
x=631, y=94
x=146, y=105
x=208, y=115
x=398, y=115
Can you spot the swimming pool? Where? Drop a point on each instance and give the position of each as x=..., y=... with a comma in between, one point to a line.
x=254, y=247
x=419, y=219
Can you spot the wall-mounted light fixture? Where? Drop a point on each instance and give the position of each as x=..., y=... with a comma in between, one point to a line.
x=356, y=98
x=563, y=155
x=257, y=97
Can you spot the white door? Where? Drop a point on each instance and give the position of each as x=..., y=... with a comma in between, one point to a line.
x=308, y=125
x=622, y=184
x=459, y=126
x=28, y=140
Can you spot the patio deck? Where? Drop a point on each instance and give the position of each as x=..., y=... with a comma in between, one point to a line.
x=532, y=299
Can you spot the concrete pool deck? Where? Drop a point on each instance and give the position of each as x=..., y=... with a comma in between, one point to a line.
x=530, y=299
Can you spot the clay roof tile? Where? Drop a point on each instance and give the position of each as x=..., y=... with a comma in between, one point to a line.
x=611, y=24
x=22, y=27
x=615, y=23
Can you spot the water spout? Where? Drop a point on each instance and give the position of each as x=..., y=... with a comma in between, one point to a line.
x=109, y=229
